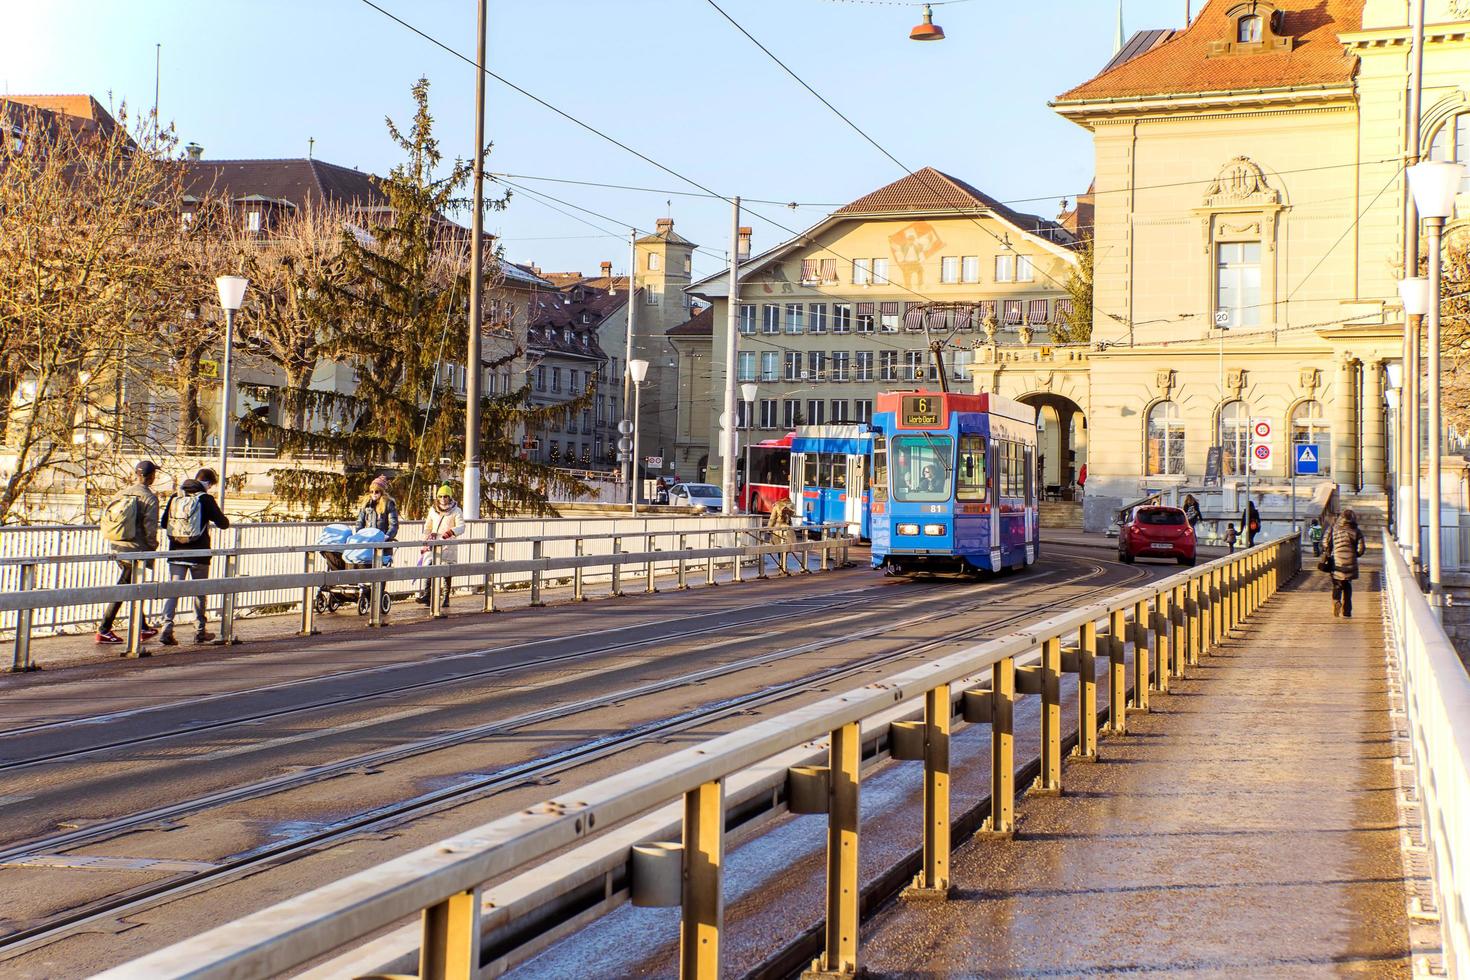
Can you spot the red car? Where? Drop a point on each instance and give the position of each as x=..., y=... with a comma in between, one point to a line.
x=1156, y=532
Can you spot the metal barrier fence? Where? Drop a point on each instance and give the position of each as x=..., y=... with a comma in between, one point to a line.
x=51, y=543
x=1170, y=624
x=1437, y=700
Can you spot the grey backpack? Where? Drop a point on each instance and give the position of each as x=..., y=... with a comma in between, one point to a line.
x=186, y=516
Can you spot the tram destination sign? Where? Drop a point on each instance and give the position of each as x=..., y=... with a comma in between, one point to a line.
x=921, y=411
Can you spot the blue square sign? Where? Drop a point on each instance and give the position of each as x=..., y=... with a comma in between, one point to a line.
x=1308, y=459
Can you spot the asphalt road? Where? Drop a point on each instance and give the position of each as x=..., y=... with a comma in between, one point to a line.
x=143, y=802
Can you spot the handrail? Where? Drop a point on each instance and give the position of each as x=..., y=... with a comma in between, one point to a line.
x=1176, y=619
x=1437, y=701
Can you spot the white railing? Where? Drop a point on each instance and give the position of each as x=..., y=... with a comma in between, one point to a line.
x=50, y=542
x=1437, y=698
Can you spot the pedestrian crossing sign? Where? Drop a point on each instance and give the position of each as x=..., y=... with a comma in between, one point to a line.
x=1308, y=457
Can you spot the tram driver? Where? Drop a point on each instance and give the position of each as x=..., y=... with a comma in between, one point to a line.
x=929, y=481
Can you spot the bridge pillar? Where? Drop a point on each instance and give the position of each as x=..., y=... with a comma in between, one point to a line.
x=932, y=880
x=1002, y=820
x=1117, y=673
x=1086, y=692
x=840, y=956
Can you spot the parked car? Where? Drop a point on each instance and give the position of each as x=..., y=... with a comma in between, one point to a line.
x=702, y=495
x=1156, y=532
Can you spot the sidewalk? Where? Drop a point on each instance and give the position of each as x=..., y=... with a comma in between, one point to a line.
x=1247, y=826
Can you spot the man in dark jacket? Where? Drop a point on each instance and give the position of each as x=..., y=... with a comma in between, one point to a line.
x=1250, y=522
x=138, y=533
x=187, y=518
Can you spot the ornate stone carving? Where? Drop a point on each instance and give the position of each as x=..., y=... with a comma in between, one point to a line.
x=1235, y=380
x=990, y=325
x=1164, y=381
x=1045, y=379
x=1240, y=183
x=1311, y=379
x=1024, y=332
x=1460, y=8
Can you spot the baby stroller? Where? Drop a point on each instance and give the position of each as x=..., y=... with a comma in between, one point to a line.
x=329, y=598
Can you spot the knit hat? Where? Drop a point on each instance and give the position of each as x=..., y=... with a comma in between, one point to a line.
x=381, y=482
x=446, y=491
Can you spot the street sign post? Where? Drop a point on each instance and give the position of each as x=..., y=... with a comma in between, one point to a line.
x=1261, y=448
x=1308, y=459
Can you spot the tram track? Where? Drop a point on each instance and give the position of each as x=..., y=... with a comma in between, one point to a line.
x=478, y=786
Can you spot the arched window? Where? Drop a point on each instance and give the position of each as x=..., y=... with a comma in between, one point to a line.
x=1248, y=29
x=1309, y=426
x=1235, y=438
x=1164, y=442
x=1452, y=143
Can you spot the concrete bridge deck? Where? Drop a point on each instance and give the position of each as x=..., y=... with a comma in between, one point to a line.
x=1248, y=825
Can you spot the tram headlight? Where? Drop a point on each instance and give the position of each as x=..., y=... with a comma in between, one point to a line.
x=907, y=529
x=935, y=530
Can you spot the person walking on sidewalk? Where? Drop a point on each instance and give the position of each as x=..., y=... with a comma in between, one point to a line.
x=130, y=523
x=380, y=510
x=1250, y=522
x=1191, y=512
x=187, y=518
x=1344, y=545
x=1230, y=536
x=444, y=522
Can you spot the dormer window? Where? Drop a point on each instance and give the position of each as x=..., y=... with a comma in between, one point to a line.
x=1255, y=27
x=1248, y=29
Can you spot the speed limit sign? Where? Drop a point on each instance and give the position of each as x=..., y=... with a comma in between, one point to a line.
x=1261, y=449
x=1260, y=430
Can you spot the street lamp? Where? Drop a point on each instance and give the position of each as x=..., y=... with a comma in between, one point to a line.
x=637, y=371
x=1434, y=185
x=747, y=395
x=231, y=295
x=1417, y=296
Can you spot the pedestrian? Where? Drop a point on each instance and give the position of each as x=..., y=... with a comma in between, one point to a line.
x=1250, y=522
x=130, y=524
x=1082, y=480
x=1230, y=536
x=1314, y=535
x=1191, y=510
x=444, y=522
x=783, y=514
x=187, y=518
x=1345, y=545
x=380, y=510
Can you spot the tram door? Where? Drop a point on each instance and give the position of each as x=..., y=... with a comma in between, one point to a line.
x=994, y=462
x=857, y=486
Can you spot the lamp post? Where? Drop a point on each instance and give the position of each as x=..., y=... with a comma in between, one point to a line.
x=637, y=371
x=1417, y=296
x=473, y=365
x=1434, y=186
x=747, y=395
x=231, y=295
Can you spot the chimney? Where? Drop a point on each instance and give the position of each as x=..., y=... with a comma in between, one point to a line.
x=607, y=270
x=664, y=225
x=742, y=248
x=195, y=151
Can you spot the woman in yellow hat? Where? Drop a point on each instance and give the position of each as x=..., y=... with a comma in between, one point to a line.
x=444, y=522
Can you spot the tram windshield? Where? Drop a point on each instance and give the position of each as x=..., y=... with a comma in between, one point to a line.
x=922, y=468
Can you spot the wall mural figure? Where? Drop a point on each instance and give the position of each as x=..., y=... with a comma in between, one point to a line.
x=912, y=246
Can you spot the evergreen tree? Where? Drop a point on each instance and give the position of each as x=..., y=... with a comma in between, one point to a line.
x=1075, y=326
x=395, y=308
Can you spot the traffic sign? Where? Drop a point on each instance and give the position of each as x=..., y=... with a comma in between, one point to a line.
x=1261, y=456
x=1308, y=459
x=625, y=445
x=625, y=428
x=656, y=462
x=1222, y=319
x=1260, y=430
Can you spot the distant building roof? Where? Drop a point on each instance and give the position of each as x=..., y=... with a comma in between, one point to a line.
x=933, y=190
x=701, y=324
x=297, y=182
x=81, y=111
x=1190, y=61
x=1136, y=45
x=664, y=232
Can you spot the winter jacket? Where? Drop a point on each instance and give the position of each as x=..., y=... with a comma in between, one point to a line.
x=385, y=520
x=1345, y=543
x=147, y=539
x=440, y=524
x=212, y=516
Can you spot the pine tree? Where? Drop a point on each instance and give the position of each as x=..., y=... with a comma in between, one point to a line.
x=395, y=308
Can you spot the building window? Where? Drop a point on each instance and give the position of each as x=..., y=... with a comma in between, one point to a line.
x=556, y=379
x=541, y=379
x=829, y=272
x=745, y=362
x=862, y=272
x=970, y=268
x=864, y=366
x=888, y=365
x=913, y=365
x=794, y=318
x=880, y=272
x=1238, y=283
x=808, y=272
x=1005, y=268
x=572, y=383
x=816, y=362
x=790, y=413
x=650, y=297
x=1235, y=438
x=888, y=317
x=747, y=318
x=949, y=268
x=862, y=410
x=1248, y=29
x=841, y=365
x=842, y=318
x=252, y=221
x=839, y=411
x=865, y=317
x=1036, y=311
x=771, y=318
x=688, y=264
x=586, y=420
x=961, y=366
x=816, y=411
x=743, y=414
x=1024, y=271
x=1012, y=312
x=770, y=365
x=817, y=318
x=1309, y=427
x=1452, y=144
x=1164, y=452
x=792, y=363
x=768, y=413
x=652, y=261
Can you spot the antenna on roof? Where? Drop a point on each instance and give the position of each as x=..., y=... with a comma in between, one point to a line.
x=1118, y=37
x=310, y=146
x=157, y=66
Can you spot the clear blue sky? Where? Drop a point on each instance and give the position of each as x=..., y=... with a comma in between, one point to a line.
x=257, y=78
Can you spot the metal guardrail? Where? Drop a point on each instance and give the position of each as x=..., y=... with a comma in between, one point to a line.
x=1170, y=623
x=1437, y=699
x=580, y=555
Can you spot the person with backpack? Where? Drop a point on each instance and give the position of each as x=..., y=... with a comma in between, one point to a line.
x=1344, y=546
x=1250, y=522
x=187, y=518
x=130, y=523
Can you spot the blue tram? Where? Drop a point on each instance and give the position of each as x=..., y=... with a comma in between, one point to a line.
x=830, y=474
x=953, y=483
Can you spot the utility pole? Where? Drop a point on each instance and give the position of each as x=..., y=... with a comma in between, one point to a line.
x=630, y=470
x=732, y=343
x=1409, y=436
x=473, y=367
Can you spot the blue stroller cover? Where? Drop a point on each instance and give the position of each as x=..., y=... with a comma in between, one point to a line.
x=364, y=556
x=335, y=534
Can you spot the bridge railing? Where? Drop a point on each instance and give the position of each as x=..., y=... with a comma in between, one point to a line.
x=293, y=575
x=1437, y=701
x=1170, y=623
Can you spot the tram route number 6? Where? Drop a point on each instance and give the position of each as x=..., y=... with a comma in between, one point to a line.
x=920, y=411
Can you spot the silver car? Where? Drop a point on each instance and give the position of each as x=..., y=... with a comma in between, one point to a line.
x=704, y=496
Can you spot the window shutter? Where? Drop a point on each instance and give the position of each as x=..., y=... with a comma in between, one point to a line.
x=808, y=270
x=1013, y=311
x=963, y=320
x=1038, y=311
x=829, y=271
x=865, y=309
x=913, y=319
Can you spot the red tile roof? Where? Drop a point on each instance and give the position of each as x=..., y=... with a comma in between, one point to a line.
x=932, y=190
x=701, y=324
x=83, y=111
x=1182, y=64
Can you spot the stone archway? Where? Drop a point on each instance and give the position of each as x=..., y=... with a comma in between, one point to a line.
x=1061, y=442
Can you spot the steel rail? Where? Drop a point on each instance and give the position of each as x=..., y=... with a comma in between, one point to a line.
x=134, y=900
